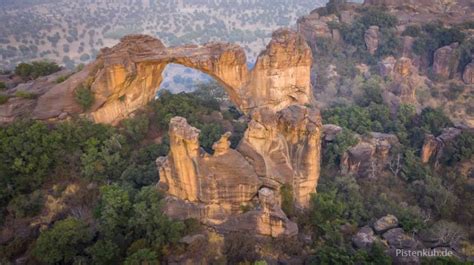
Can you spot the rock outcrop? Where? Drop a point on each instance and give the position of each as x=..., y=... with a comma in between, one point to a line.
x=191, y=174
x=468, y=74
x=371, y=38
x=445, y=61
x=127, y=76
x=433, y=146
x=370, y=156
x=214, y=188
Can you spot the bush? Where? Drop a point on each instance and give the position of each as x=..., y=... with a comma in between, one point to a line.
x=389, y=43
x=287, y=200
x=84, y=97
x=62, y=78
x=142, y=257
x=26, y=205
x=378, y=17
x=63, y=242
x=36, y=69
x=354, y=118
x=333, y=151
x=454, y=91
x=24, y=94
x=240, y=247
x=3, y=86
x=434, y=120
x=372, y=93
x=412, y=31
x=137, y=127
x=104, y=252
x=461, y=148
x=3, y=99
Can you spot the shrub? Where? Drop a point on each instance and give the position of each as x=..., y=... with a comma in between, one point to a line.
x=104, y=252
x=143, y=256
x=389, y=43
x=461, y=148
x=137, y=127
x=3, y=99
x=434, y=120
x=24, y=94
x=63, y=242
x=454, y=91
x=3, y=86
x=26, y=205
x=378, y=17
x=36, y=69
x=412, y=31
x=62, y=79
x=84, y=97
x=333, y=151
x=287, y=200
x=240, y=247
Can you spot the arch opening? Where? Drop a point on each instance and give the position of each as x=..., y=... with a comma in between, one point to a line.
x=203, y=101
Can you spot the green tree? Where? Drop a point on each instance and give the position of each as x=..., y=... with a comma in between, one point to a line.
x=136, y=128
x=143, y=257
x=84, y=96
x=36, y=69
x=63, y=242
x=148, y=221
x=104, y=252
x=333, y=151
x=434, y=120
x=114, y=212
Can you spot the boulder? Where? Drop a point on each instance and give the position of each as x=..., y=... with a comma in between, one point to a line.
x=386, y=66
x=396, y=238
x=385, y=223
x=365, y=238
x=193, y=239
x=468, y=75
x=369, y=156
x=330, y=131
x=445, y=61
x=433, y=146
x=371, y=38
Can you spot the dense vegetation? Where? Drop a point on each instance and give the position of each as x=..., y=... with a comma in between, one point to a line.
x=128, y=223
x=30, y=71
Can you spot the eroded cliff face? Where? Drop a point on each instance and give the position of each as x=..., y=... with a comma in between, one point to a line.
x=214, y=188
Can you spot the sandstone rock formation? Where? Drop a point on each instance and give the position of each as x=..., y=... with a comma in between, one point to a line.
x=468, y=75
x=214, y=188
x=281, y=145
x=371, y=38
x=193, y=175
x=385, y=223
x=364, y=238
x=370, y=156
x=433, y=146
x=128, y=75
x=445, y=61
x=314, y=27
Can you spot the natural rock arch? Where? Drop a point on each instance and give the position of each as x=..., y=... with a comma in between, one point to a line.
x=127, y=76
x=281, y=145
